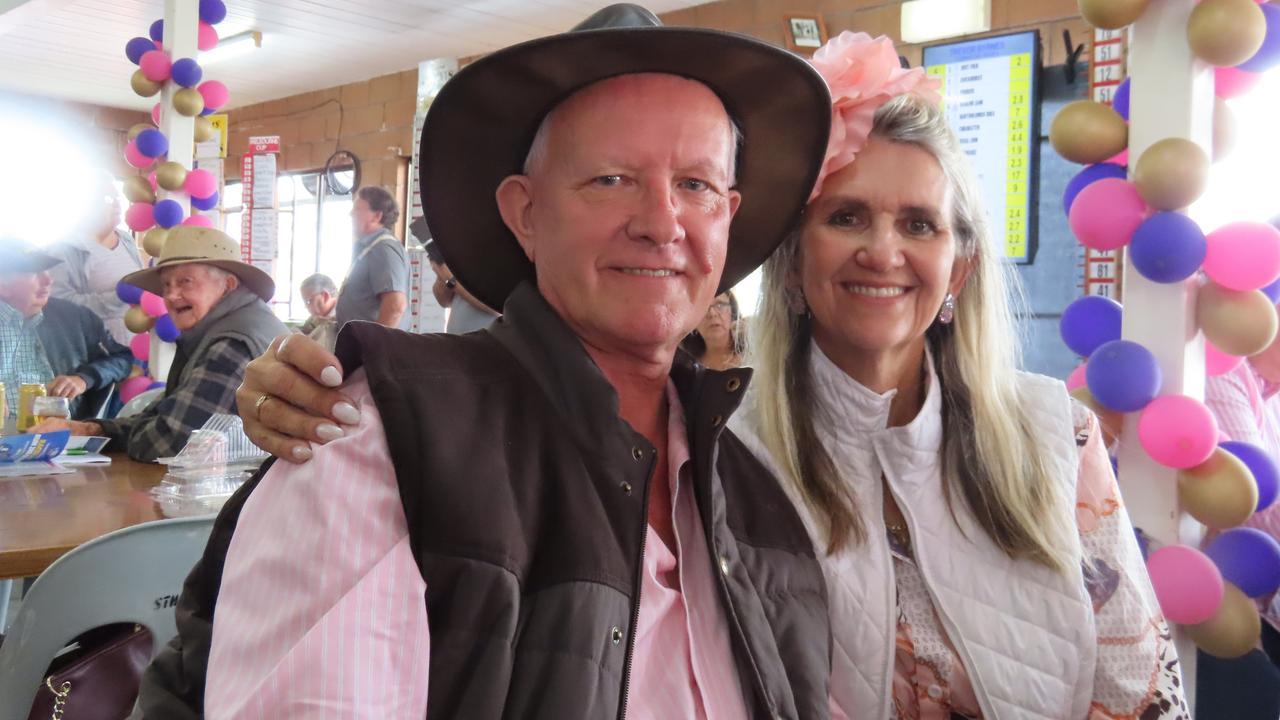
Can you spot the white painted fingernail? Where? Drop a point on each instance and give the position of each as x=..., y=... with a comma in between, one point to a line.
x=329, y=431
x=346, y=413
x=331, y=377
x=302, y=453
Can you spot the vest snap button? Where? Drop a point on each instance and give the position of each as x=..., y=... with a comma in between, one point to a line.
x=724, y=565
x=617, y=635
x=733, y=385
x=626, y=487
x=637, y=453
x=935, y=692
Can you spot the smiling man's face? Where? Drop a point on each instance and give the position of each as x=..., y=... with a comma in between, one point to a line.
x=191, y=291
x=626, y=214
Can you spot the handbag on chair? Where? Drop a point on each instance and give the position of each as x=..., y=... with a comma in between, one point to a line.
x=100, y=680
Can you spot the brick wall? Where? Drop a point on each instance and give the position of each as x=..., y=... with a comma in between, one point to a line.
x=373, y=119
x=100, y=130
x=765, y=19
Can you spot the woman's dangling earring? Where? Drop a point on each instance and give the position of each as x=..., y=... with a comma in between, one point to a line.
x=948, y=312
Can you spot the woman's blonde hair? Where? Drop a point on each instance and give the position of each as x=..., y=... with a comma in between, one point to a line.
x=990, y=456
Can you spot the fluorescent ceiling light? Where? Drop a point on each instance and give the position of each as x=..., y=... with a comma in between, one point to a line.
x=233, y=46
x=925, y=20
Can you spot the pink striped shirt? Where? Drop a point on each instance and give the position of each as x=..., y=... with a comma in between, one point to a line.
x=321, y=611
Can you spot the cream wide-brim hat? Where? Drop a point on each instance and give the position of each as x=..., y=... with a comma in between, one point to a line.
x=189, y=244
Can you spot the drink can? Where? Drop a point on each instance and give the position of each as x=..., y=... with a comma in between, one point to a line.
x=27, y=395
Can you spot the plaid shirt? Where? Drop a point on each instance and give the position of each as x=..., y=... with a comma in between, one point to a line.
x=22, y=357
x=209, y=388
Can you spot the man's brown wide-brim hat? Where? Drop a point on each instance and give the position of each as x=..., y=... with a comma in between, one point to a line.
x=480, y=126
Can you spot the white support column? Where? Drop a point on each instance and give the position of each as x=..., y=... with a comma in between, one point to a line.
x=181, y=30
x=1171, y=95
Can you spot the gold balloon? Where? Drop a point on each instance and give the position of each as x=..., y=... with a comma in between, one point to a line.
x=1111, y=14
x=1226, y=32
x=133, y=131
x=1237, y=323
x=143, y=86
x=1087, y=132
x=153, y=241
x=1224, y=129
x=1232, y=631
x=1172, y=173
x=137, y=321
x=171, y=176
x=138, y=190
x=204, y=128
x=188, y=101
x=1110, y=420
x=1220, y=492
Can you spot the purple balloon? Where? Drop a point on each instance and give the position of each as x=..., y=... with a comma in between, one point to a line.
x=1248, y=558
x=1273, y=291
x=1123, y=376
x=207, y=111
x=152, y=143
x=1265, y=471
x=128, y=294
x=213, y=11
x=186, y=72
x=1167, y=247
x=1087, y=177
x=165, y=329
x=157, y=31
x=205, y=204
x=168, y=213
x=1088, y=322
x=1268, y=56
x=137, y=47
x=1120, y=103
x=158, y=383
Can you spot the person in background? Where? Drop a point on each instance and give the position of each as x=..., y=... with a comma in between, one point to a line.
x=466, y=313
x=51, y=341
x=320, y=296
x=1246, y=404
x=719, y=341
x=220, y=306
x=377, y=286
x=94, y=260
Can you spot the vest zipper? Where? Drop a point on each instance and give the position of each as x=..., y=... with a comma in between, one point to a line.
x=635, y=603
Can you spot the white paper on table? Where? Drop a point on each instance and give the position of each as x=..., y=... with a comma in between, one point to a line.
x=31, y=468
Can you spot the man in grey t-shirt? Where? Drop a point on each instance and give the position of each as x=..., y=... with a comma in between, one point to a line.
x=377, y=286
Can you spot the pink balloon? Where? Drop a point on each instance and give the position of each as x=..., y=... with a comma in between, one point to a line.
x=155, y=115
x=1187, y=583
x=151, y=178
x=1230, y=82
x=141, y=346
x=1217, y=362
x=1106, y=213
x=131, y=388
x=1177, y=431
x=201, y=184
x=1076, y=378
x=140, y=217
x=1243, y=255
x=155, y=65
x=199, y=221
x=207, y=37
x=1121, y=158
x=152, y=304
x=135, y=157
x=214, y=92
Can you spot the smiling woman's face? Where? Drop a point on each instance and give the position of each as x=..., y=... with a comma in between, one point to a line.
x=191, y=291
x=877, y=253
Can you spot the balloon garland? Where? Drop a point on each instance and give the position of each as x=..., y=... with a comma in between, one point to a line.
x=146, y=150
x=1109, y=206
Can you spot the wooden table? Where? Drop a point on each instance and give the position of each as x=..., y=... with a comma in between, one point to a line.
x=44, y=517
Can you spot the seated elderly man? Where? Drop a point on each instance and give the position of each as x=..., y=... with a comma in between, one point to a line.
x=320, y=296
x=55, y=342
x=219, y=304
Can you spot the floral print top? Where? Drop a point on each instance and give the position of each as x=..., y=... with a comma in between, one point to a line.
x=1137, y=674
